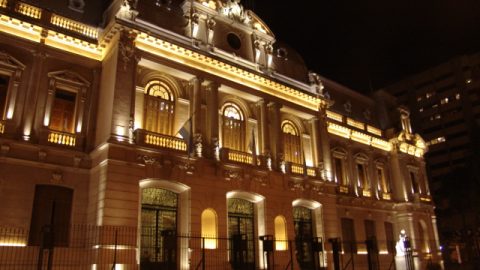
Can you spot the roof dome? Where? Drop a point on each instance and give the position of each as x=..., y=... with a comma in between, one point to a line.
x=289, y=62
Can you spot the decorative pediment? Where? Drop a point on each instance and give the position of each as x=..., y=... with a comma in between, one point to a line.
x=10, y=61
x=235, y=11
x=69, y=77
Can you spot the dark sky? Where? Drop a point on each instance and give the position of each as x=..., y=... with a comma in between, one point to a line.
x=367, y=44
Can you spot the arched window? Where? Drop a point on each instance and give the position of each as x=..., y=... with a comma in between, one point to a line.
x=233, y=127
x=159, y=108
x=291, y=142
x=209, y=228
x=280, y=233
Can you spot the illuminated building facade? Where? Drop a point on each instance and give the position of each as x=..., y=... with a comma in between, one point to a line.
x=183, y=119
x=445, y=109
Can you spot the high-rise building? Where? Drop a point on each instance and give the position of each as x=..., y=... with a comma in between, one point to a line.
x=445, y=110
x=181, y=135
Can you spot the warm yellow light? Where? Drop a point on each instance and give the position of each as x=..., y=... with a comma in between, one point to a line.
x=73, y=45
x=21, y=29
x=202, y=62
x=334, y=116
x=12, y=244
x=280, y=233
x=209, y=228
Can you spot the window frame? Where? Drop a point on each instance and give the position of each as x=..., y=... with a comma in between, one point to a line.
x=170, y=101
x=70, y=82
x=13, y=69
x=292, y=142
x=242, y=129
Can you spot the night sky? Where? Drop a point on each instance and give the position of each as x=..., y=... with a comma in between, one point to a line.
x=369, y=44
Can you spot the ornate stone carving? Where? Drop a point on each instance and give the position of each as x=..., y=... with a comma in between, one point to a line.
x=147, y=160
x=234, y=10
x=216, y=148
x=296, y=185
x=42, y=155
x=348, y=106
x=76, y=5
x=128, y=9
x=262, y=179
x=187, y=167
x=57, y=177
x=232, y=175
x=127, y=47
x=197, y=142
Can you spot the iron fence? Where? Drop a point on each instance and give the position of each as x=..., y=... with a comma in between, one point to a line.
x=110, y=247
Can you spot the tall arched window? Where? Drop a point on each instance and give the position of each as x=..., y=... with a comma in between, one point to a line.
x=159, y=108
x=209, y=228
x=280, y=233
x=233, y=127
x=291, y=142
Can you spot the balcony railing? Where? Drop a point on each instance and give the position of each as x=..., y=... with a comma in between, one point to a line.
x=295, y=168
x=54, y=137
x=2, y=127
x=62, y=138
x=3, y=3
x=28, y=10
x=74, y=26
x=236, y=156
x=343, y=189
x=387, y=196
x=367, y=193
x=144, y=137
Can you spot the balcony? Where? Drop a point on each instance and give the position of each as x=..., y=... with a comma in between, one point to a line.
x=149, y=139
x=231, y=155
x=300, y=169
x=54, y=137
x=367, y=193
x=343, y=189
x=387, y=196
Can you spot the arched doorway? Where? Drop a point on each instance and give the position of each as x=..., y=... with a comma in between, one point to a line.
x=303, y=226
x=163, y=221
x=242, y=234
x=158, y=241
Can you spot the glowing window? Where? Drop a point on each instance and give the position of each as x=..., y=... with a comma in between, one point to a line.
x=158, y=108
x=209, y=228
x=281, y=240
x=4, y=82
x=291, y=142
x=233, y=127
x=63, y=111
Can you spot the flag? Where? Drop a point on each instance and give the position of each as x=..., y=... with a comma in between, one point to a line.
x=253, y=147
x=305, y=174
x=186, y=133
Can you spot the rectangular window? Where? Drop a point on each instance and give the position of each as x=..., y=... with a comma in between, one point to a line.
x=51, y=212
x=348, y=235
x=390, y=237
x=361, y=176
x=4, y=81
x=63, y=111
x=339, y=171
x=414, y=182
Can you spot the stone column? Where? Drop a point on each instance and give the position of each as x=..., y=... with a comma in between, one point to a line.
x=122, y=121
x=324, y=145
x=213, y=115
x=315, y=142
x=397, y=179
x=276, y=144
x=196, y=112
x=263, y=134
